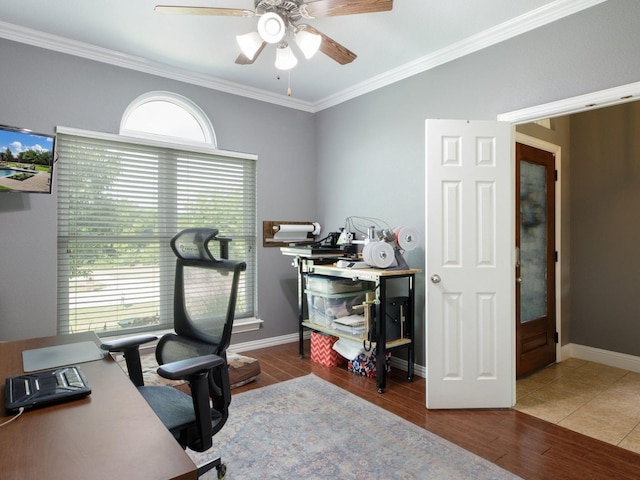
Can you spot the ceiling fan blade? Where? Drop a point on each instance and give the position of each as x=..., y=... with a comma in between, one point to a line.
x=244, y=60
x=333, y=8
x=333, y=49
x=225, y=12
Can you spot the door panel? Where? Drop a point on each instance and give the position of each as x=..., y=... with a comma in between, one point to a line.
x=535, y=270
x=469, y=264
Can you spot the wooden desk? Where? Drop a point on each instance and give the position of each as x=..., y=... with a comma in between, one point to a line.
x=111, y=434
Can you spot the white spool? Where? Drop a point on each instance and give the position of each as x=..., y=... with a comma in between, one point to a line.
x=378, y=254
x=294, y=232
x=313, y=228
x=406, y=237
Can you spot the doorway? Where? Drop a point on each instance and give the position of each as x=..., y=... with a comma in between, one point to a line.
x=536, y=257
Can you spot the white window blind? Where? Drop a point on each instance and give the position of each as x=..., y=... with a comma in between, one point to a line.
x=120, y=201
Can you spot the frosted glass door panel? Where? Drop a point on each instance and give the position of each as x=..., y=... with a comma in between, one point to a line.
x=533, y=241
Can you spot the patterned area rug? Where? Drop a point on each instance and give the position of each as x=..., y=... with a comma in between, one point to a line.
x=308, y=428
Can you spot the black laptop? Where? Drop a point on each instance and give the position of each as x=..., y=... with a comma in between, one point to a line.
x=48, y=387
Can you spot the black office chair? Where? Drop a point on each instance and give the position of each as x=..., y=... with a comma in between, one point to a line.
x=204, y=308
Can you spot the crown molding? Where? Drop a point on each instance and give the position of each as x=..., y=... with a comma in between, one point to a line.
x=524, y=23
x=56, y=43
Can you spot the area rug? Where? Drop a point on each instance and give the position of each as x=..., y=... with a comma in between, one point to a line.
x=308, y=428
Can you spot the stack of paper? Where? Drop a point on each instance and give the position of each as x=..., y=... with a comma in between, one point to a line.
x=351, y=324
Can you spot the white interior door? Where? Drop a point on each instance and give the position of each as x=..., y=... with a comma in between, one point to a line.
x=470, y=274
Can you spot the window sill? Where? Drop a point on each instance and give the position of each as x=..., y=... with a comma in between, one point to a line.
x=239, y=326
x=247, y=325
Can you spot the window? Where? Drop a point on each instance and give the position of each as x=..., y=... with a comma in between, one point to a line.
x=167, y=116
x=120, y=200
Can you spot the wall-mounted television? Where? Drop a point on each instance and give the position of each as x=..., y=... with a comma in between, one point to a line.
x=26, y=161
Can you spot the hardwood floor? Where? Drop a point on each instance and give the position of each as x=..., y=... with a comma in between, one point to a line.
x=525, y=445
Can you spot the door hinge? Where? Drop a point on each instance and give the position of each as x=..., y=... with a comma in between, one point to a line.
x=556, y=337
x=555, y=175
x=555, y=256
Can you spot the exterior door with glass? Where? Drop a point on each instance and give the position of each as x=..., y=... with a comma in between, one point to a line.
x=535, y=263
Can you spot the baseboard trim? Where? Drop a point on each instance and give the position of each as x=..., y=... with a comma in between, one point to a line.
x=418, y=370
x=606, y=357
x=572, y=350
x=267, y=342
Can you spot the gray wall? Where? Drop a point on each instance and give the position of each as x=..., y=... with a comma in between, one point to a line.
x=605, y=229
x=379, y=137
x=41, y=89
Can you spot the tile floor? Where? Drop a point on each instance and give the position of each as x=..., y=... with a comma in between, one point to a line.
x=590, y=398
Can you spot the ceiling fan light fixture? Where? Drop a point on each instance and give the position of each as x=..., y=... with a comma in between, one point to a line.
x=271, y=27
x=249, y=43
x=308, y=42
x=285, y=59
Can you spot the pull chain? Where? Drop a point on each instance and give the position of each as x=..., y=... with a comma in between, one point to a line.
x=288, y=81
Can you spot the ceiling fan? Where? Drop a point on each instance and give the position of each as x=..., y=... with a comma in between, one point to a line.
x=279, y=18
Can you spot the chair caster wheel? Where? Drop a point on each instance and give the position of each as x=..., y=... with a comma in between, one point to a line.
x=221, y=471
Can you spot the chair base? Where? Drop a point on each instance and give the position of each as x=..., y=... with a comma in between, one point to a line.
x=215, y=463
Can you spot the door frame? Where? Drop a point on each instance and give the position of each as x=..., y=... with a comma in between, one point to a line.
x=581, y=103
x=556, y=150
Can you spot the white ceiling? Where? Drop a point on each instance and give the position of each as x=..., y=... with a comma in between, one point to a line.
x=414, y=36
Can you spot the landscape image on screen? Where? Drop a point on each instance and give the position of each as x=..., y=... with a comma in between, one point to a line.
x=26, y=161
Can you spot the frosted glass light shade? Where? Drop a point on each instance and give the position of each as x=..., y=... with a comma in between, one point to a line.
x=249, y=43
x=271, y=27
x=285, y=59
x=308, y=42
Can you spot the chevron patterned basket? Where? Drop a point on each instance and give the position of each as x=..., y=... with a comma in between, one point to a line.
x=322, y=351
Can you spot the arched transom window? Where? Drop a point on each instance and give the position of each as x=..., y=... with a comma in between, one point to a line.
x=167, y=116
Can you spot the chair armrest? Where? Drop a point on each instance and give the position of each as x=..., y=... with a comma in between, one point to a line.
x=130, y=347
x=184, y=369
x=123, y=344
x=197, y=371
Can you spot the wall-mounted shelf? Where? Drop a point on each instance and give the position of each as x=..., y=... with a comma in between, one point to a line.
x=270, y=229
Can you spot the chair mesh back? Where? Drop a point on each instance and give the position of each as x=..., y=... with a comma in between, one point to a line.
x=206, y=303
x=173, y=348
x=205, y=289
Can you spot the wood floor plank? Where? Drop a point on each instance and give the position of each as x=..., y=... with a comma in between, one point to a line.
x=525, y=445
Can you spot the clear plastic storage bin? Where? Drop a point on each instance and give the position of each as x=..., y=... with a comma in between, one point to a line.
x=322, y=284
x=324, y=308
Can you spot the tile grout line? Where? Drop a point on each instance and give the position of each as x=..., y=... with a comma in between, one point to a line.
x=559, y=374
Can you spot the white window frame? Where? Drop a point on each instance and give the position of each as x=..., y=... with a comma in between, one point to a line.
x=209, y=135
x=207, y=145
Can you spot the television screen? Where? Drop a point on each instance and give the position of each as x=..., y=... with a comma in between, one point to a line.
x=26, y=161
